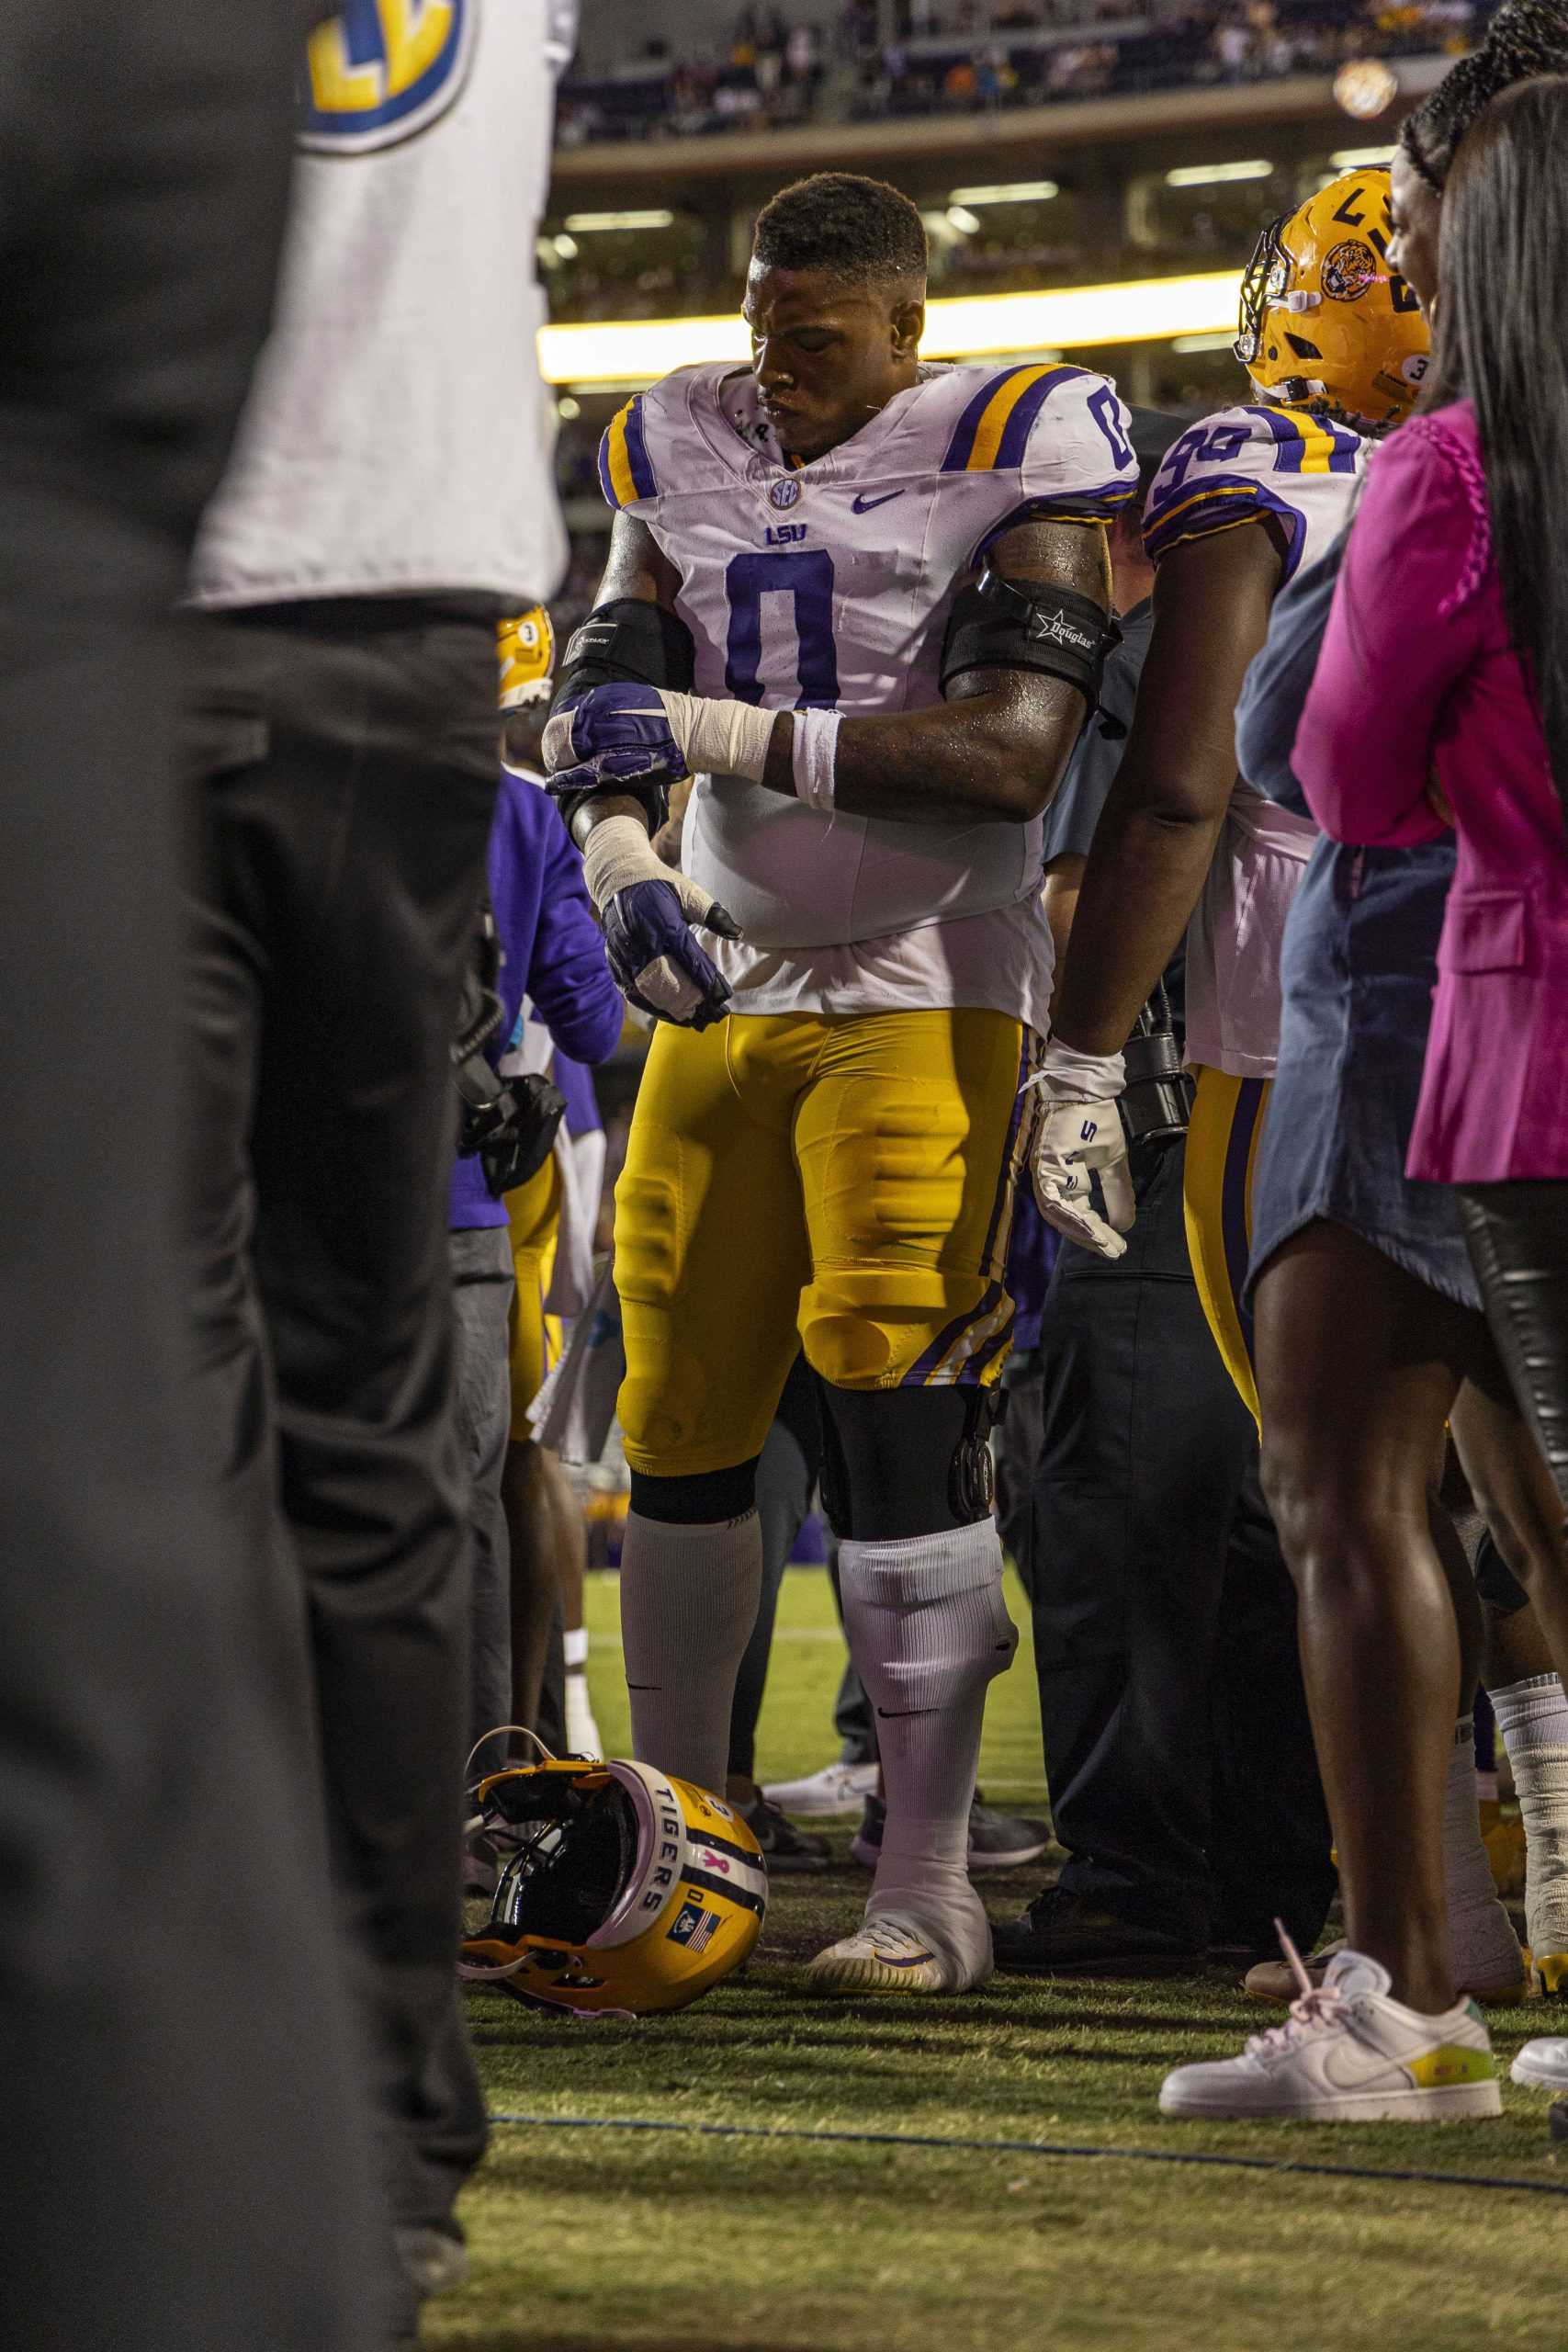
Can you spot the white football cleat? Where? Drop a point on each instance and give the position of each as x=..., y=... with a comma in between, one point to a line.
x=838, y=1788
x=1543, y=2064
x=1346, y=2054
x=896, y=1953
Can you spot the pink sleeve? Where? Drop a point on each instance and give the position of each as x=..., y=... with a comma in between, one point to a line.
x=1405, y=625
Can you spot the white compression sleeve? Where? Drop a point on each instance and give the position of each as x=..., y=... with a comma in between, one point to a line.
x=927, y=1629
x=689, y=1600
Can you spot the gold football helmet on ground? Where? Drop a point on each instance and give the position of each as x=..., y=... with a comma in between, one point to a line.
x=525, y=648
x=626, y=1892
x=1326, y=323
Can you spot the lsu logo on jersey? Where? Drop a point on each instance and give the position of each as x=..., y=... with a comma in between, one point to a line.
x=380, y=71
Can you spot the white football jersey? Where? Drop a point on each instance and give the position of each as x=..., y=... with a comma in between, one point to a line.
x=829, y=586
x=1234, y=468
x=398, y=438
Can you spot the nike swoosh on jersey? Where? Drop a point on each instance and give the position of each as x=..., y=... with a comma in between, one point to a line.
x=865, y=506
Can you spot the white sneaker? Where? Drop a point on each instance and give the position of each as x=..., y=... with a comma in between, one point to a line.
x=1347, y=2053
x=1543, y=2064
x=838, y=1788
x=896, y=1953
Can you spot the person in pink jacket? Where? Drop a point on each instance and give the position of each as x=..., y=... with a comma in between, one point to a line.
x=1442, y=696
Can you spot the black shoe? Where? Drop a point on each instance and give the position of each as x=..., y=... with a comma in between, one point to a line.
x=786, y=1847
x=1063, y=1934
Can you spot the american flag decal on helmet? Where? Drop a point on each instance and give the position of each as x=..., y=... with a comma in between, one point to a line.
x=695, y=1926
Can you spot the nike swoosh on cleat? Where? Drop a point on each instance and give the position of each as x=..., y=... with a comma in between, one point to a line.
x=865, y=506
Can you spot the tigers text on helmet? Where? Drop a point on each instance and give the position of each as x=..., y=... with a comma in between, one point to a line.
x=525, y=648
x=627, y=1891
x=1325, y=324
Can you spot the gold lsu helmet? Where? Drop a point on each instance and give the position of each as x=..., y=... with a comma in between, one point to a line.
x=525, y=648
x=1326, y=323
x=629, y=1892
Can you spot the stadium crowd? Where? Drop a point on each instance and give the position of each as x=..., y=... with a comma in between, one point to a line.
x=767, y=75
x=1100, y=987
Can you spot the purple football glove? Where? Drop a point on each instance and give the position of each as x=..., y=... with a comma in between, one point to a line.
x=612, y=735
x=647, y=909
x=654, y=955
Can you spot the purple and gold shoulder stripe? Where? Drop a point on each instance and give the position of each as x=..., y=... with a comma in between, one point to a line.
x=624, y=474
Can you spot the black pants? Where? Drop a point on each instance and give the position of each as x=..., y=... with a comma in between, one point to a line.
x=482, y=1291
x=1180, y=1755
x=1519, y=1243
x=181, y=2163
x=344, y=765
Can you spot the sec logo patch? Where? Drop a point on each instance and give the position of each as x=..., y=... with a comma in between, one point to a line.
x=381, y=71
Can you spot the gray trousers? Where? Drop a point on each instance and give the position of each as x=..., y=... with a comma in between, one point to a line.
x=482, y=1291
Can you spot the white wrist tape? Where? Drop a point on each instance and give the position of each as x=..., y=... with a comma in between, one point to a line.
x=719, y=738
x=616, y=853
x=815, y=752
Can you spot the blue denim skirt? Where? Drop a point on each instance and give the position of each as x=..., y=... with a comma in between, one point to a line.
x=1359, y=968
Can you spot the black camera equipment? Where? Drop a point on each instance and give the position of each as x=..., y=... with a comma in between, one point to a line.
x=1156, y=1100
x=510, y=1121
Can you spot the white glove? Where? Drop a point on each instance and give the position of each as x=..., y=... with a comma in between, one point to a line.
x=1079, y=1135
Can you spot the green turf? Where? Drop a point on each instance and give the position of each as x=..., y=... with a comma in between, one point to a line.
x=590, y=2241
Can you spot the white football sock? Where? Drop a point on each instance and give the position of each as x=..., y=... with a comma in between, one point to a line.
x=1532, y=1722
x=1484, y=1950
x=927, y=1629
x=689, y=1599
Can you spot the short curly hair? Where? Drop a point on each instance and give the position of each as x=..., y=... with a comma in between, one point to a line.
x=1526, y=38
x=851, y=227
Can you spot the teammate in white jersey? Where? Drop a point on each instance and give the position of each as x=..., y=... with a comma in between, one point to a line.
x=1336, y=346
x=878, y=593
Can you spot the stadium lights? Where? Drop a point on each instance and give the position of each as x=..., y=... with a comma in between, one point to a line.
x=1016, y=192
x=1358, y=159
x=1213, y=175
x=634, y=352
x=587, y=223
x=1223, y=341
x=959, y=217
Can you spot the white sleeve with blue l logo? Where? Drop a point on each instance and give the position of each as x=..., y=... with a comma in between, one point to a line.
x=398, y=438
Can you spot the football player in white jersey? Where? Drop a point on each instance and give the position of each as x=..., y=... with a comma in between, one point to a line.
x=1336, y=346
x=863, y=601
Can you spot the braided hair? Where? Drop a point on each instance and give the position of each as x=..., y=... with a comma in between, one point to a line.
x=1526, y=38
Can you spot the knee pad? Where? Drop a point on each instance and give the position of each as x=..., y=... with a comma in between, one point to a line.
x=861, y=1325
x=661, y=1402
x=927, y=1625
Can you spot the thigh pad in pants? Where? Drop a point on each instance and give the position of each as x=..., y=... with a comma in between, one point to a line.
x=910, y=1138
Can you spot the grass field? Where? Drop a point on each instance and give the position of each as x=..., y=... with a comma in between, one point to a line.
x=594, y=2240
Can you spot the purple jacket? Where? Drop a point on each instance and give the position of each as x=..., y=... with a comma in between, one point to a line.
x=554, y=950
x=1418, y=676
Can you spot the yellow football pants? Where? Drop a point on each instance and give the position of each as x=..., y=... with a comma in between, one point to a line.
x=1221, y=1154
x=533, y=1212
x=842, y=1184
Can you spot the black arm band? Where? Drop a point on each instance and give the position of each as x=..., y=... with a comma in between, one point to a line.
x=999, y=624
x=625, y=641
